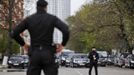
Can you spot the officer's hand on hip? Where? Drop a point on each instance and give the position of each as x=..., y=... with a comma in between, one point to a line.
x=59, y=48
x=25, y=48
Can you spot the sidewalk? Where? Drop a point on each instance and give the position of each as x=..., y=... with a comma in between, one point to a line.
x=3, y=67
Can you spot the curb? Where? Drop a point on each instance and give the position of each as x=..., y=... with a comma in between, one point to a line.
x=12, y=70
x=3, y=67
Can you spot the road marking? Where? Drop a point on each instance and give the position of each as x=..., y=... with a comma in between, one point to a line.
x=79, y=72
x=76, y=71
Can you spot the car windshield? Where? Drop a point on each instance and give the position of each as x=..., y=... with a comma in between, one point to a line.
x=66, y=53
x=16, y=58
x=80, y=56
x=125, y=55
x=102, y=56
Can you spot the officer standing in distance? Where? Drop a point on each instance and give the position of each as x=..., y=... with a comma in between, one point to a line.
x=42, y=50
x=93, y=56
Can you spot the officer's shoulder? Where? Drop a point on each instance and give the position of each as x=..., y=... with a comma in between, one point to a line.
x=51, y=15
x=30, y=16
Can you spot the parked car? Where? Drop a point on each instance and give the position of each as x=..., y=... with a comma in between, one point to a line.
x=121, y=59
x=79, y=60
x=26, y=60
x=129, y=61
x=116, y=58
x=16, y=61
x=103, y=58
x=68, y=60
x=63, y=56
x=110, y=60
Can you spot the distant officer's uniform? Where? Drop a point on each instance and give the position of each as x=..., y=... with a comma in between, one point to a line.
x=42, y=51
x=93, y=56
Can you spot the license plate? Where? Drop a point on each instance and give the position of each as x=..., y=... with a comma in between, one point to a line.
x=81, y=64
x=16, y=64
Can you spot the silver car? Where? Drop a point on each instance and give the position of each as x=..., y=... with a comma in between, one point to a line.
x=129, y=61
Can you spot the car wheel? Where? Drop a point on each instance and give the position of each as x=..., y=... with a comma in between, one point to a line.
x=9, y=67
x=23, y=67
x=121, y=65
x=104, y=65
x=66, y=65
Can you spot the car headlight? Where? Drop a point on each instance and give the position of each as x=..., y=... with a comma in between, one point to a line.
x=67, y=60
x=109, y=60
x=26, y=61
x=9, y=61
x=63, y=58
x=22, y=61
x=132, y=61
x=75, y=61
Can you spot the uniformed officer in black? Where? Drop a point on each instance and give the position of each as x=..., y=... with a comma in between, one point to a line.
x=42, y=50
x=93, y=56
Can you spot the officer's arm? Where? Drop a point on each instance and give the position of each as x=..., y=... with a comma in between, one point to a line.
x=90, y=55
x=64, y=29
x=15, y=34
x=97, y=56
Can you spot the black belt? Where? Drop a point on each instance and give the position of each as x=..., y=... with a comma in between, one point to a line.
x=40, y=47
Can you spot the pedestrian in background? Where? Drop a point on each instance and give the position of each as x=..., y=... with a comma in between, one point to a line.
x=93, y=56
x=42, y=49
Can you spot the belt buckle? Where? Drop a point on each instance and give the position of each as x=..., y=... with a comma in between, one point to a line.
x=40, y=48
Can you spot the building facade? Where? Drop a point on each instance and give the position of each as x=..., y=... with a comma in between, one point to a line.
x=62, y=9
x=17, y=13
x=29, y=7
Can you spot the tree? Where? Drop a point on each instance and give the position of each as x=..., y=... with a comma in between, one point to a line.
x=126, y=16
x=104, y=25
x=10, y=15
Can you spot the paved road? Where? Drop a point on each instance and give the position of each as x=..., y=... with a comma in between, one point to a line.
x=82, y=71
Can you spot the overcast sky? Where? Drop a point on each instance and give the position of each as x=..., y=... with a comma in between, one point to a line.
x=75, y=5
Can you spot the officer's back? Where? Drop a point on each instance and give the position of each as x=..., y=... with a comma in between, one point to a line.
x=41, y=26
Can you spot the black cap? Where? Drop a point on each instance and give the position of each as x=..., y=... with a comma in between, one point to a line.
x=42, y=3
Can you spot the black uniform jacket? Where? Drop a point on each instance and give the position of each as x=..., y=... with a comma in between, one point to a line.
x=93, y=56
x=41, y=27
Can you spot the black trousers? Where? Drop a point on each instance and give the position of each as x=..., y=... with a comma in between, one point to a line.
x=95, y=65
x=42, y=59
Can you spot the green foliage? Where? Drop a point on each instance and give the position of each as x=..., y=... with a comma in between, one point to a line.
x=106, y=25
x=15, y=48
x=4, y=42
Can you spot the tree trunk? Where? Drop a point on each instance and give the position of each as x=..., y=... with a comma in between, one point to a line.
x=5, y=60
